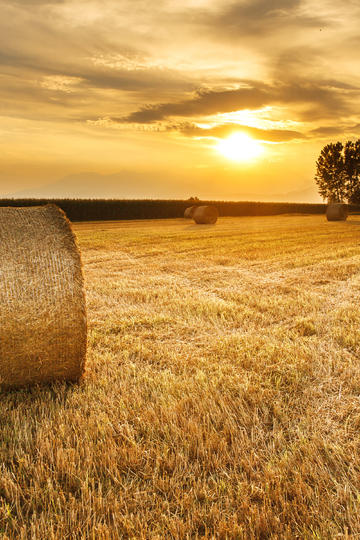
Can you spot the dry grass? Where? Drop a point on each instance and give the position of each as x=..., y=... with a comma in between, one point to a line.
x=222, y=391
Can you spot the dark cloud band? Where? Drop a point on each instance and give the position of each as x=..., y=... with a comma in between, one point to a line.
x=224, y=130
x=323, y=96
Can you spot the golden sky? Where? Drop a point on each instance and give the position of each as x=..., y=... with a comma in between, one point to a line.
x=132, y=98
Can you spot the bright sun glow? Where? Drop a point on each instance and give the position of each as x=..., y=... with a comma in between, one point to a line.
x=239, y=147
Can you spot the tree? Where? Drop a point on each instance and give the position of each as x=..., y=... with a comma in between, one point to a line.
x=338, y=172
x=330, y=172
x=352, y=171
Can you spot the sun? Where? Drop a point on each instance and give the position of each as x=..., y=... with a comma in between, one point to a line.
x=239, y=147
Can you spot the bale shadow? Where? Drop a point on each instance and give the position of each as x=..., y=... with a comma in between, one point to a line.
x=25, y=413
x=200, y=226
x=51, y=396
x=353, y=222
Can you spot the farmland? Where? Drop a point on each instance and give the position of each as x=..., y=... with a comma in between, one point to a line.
x=222, y=391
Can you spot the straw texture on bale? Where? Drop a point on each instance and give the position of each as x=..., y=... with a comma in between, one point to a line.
x=189, y=212
x=336, y=212
x=42, y=301
x=205, y=215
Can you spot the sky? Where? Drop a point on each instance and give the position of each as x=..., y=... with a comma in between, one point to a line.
x=219, y=99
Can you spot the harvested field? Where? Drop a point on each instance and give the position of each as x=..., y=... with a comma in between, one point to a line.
x=222, y=392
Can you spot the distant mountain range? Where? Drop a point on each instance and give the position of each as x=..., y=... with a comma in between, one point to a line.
x=306, y=195
x=123, y=185
x=133, y=185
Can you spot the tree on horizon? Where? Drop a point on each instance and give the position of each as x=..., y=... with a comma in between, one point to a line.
x=338, y=172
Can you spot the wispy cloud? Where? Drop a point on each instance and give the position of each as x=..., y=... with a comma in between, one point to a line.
x=326, y=96
x=224, y=130
x=256, y=18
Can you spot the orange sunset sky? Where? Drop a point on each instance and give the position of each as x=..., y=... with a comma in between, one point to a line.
x=210, y=98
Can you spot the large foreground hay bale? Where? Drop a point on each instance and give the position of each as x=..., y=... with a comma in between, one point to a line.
x=189, y=212
x=206, y=214
x=336, y=212
x=42, y=302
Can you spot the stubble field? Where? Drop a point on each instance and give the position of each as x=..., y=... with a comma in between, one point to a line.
x=222, y=392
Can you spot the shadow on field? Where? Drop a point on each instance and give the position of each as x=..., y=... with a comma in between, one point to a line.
x=201, y=226
x=353, y=222
x=47, y=396
x=27, y=414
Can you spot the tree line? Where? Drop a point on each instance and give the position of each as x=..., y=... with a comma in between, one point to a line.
x=113, y=209
x=338, y=172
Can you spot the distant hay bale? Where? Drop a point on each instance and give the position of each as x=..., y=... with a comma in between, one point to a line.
x=42, y=301
x=336, y=212
x=189, y=212
x=205, y=215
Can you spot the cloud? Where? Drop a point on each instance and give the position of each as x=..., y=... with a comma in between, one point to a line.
x=257, y=18
x=137, y=69
x=125, y=63
x=340, y=131
x=324, y=95
x=204, y=102
x=224, y=130
x=25, y=3
x=324, y=131
x=43, y=41
x=96, y=75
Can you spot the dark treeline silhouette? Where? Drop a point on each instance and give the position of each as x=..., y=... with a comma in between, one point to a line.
x=112, y=209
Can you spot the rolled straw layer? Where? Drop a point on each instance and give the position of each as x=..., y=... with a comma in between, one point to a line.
x=42, y=301
x=189, y=212
x=206, y=215
x=336, y=212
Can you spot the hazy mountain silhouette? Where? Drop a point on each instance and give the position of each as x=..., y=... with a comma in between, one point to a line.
x=123, y=185
x=135, y=185
x=306, y=195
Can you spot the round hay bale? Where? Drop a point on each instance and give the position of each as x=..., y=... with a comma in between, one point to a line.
x=206, y=215
x=336, y=212
x=42, y=300
x=189, y=212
